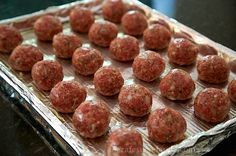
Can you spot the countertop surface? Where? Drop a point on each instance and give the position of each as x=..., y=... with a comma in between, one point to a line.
x=215, y=19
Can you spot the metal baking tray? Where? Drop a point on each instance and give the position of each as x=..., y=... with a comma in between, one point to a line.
x=200, y=137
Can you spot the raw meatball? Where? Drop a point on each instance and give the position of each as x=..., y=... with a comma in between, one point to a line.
x=166, y=126
x=182, y=34
x=124, y=142
x=108, y=81
x=65, y=45
x=182, y=51
x=124, y=48
x=177, y=85
x=205, y=49
x=134, y=7
x=148, y=66
x=46, y=27
x=156, y=37
x=213, y=69
x=232, y=65
x=87, y=60
x=135, y=100
x=134, y=23
x=232, y=90
x=10, y=38
x=46, y=74
x=91, y=119
x=24, y=57
x=212, y=105
x=102, y=33
x=113, y=10
x=163, y=23
x=66, y=96
x=81, y=19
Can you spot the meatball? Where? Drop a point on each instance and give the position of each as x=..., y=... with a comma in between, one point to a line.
x=46, y=27
x=24, y=57
x=213, y=69
x=182, y=34
x=163, y=23
x=177, y=85
x=212, y=105
x=66, y=96
x=124, y=142
x=232, y=90
x=87, y=60
x=232, y=65
x=108, y=81
x=156, y=37
x=135, y=100
x=135, y=7
x=102, y=33
x=148, y=66
x=81, y=19
x=65, y=45
x=205, y=49
x=134, y=23
x=113, y=10
x=91, y=119
x=124, y=48
x=46, y=74
x=10, y=38
x=182, y=51
x=166, y=126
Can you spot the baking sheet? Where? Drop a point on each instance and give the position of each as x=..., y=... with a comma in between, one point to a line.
x=197, y=140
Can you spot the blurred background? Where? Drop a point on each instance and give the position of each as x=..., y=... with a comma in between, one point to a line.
x=215, y=19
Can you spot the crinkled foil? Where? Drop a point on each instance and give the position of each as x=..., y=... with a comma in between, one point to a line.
x=200, y=137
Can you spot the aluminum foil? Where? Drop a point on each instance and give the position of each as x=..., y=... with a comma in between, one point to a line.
x=200, y=137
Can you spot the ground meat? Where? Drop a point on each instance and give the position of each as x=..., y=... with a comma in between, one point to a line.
x=166, y=126
x=212, y=105
x=46, y=74
x=87, y=60
x=46, y=27
x=134, y=23
x=108, y=81
x=135, y=100
x=182, y=34
x=232, y=65
x=213, y=69
x=81, y=19
x=162, y=22
x=124, y=48
x=124, y=142
x=177, y=85
x=182, y=51
x=232, y=90
x=65, y=44
x=66, y=96
x=113, y=10
x=102, y=33
x=134, y=7
x=91, y=119
x=24, y=57
x=156, y=37
x=10, y=38
x=148, y=66
x=205, y=49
